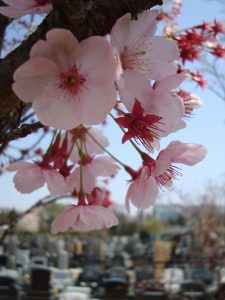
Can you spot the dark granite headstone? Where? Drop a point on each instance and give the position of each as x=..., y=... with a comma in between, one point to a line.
x=40, y=284
x=9, y=288
x=3, y=260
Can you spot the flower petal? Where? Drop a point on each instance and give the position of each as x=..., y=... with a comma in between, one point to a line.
x=64, y=220
x=186, y=153
x=29, y=179
x=35, y=77
x=55, y=182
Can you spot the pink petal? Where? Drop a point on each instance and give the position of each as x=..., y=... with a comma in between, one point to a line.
x=143, y=28
x=10, y=12
x=55, y=182
x=61, y=47
x=73, y=181
x=29, y=179
x=34, y=77
x=22, y=4
x=128, y=196
x=97, y=217
x=84, y=218
x=65, y=220
x=167, y=106
x=143, y=191
x=97, y=60
x=56, y=111
x=163, y=49
x=104, y=166
x=17, y=8
x=185, y=153
x=162, y=163
x=19, y=165
x=135, y=87
x=89, y=178
x=92, y=147
x=158, y=69
x=170, y=82
x=120, y=32
x=96, y=102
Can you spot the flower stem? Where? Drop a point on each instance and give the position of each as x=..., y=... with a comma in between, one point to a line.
x=105, y=150
x=81, y=169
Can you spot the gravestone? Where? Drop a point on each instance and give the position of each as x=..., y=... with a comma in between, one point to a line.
x=60, y=245
x=39, y=260
x=9, y=285
x=12, y=245
x=40, y=284
x=3, y=261
x=63, y=260
x=22, y=259
x=116, y=283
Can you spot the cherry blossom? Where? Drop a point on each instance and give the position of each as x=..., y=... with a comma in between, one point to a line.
x=217, y=27
x=191, y=102
x=84, y=218
x=31, y=176
x=218, y=51
x=68, y=83
x=143, y=190
x=92, y=167
x=199, y=78
x=139, y=51
x=100, y=197
x=19, y=8
x=143, y=128
x=158, y=100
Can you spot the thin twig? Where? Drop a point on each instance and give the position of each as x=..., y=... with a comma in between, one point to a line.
x=21, y=132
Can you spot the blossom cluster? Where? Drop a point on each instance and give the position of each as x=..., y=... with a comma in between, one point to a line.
x=74, y=85
x=195, y=41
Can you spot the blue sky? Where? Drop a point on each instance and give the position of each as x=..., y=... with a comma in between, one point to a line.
x=207, y=128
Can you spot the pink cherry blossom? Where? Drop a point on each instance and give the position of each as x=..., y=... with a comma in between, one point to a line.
x=191, y=102
x=143, y=190
x=82, y=134
x=100, y=197
x=158, y=100
x=31, y=176
x=138, y=50
x=92, y=167
x=68, y=83
x=84, y=218
x=143, y=128
x=19, y=8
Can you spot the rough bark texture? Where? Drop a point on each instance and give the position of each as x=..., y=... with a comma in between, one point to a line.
x=83, y=17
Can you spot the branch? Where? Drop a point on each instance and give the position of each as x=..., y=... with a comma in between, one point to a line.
x=4, y=21
x=21, y=132
x=42, y=202
x=83, y=17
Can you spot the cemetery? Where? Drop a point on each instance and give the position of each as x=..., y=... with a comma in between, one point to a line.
x=136, y=266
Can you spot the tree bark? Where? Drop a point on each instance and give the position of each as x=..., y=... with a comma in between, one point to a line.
x=83, y=17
